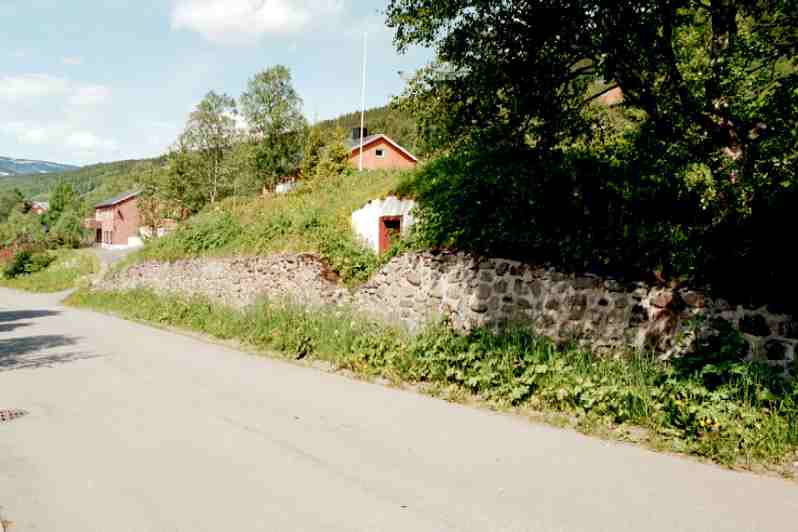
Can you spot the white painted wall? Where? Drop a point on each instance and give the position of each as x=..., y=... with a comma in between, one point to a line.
x=285, y=188
x=132, y=242
x=366, y=221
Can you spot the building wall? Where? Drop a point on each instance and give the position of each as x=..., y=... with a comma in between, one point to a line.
x=366, y=221
x=122, y=220
x=393, y=160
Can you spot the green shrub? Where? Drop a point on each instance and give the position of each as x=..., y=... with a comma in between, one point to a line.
x=26, y=263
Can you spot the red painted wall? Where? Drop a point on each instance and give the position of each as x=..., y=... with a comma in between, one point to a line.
x=393, y=160
x=122, y=221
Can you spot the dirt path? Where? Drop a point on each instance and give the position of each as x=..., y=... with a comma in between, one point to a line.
x=130, y=428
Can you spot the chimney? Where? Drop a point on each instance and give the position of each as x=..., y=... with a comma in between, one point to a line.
x=356, y=134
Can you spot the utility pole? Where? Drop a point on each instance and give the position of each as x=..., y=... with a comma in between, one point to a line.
x=363, y=100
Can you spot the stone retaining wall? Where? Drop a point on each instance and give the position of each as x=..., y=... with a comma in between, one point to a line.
x=237, y=281
x=605, y=314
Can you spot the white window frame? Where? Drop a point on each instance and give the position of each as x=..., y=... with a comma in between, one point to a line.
x=380, y=153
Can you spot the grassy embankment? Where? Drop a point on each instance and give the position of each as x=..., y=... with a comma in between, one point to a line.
x=733, y=413
x=314, y=218
x=69, y=269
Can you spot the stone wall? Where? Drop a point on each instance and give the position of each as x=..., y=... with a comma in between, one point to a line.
x=237, y=281
x=605, y=314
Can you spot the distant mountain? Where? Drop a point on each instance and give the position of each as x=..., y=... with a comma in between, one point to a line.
x=94, y=182
x=12, y=167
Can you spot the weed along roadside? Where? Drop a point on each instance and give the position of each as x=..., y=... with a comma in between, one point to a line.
x=739, y=414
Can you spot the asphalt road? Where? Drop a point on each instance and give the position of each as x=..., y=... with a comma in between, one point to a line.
x=131, y=428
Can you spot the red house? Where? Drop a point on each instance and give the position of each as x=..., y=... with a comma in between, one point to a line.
x=116, y=221
x=379, y=152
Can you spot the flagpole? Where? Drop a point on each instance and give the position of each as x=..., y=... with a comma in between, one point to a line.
x=363, y=100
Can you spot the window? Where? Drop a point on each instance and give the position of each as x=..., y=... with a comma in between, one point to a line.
x=380, y=153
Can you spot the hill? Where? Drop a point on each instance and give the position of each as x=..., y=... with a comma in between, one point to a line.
x=15, y=167
x=93, y=180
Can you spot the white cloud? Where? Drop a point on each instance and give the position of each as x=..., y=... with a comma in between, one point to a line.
x=31, y=86
x=34, y=134
x=90, y=95
x=41, y=87
x=66, y=134
x=62, y=140
x=89, y=142
x=247, y=20
x=73, y=61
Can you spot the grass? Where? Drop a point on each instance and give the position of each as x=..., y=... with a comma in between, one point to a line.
x=67, y=271
x=315, y=218
x=734, y=413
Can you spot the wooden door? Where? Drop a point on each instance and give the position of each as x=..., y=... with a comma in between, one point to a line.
x=390, y=231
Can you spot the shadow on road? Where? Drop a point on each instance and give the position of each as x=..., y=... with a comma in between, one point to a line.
x=24, y=352
x=8, y=327
x=10, y=320
x=32, y=352
x=18, y=315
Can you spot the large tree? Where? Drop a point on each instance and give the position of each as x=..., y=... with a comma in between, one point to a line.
x=715, y=76
x=201, y=150
x=273, y=111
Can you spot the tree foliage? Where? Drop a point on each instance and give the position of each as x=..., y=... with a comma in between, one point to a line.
x=695, y=170
x=10, y=200
x=203, y=145
x=22, y=229
x=333, y=156
x=63, y=198
x=273, y=111
x=707, y=74
x=68, y=230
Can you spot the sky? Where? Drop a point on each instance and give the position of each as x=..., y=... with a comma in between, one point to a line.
x=86, y=81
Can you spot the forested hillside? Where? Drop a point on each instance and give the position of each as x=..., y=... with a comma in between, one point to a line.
x=86, y=180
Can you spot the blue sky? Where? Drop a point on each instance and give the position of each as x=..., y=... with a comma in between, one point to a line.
x=84, y=81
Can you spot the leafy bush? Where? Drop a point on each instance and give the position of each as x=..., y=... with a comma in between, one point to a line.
x=26, y=263
x=615, y=209
x=713, y=405
x=205, y=233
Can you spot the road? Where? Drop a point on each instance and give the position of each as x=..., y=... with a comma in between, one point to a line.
x=131, y=428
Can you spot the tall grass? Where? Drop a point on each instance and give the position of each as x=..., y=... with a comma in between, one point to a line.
x=734, y=413
x=314, y=218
